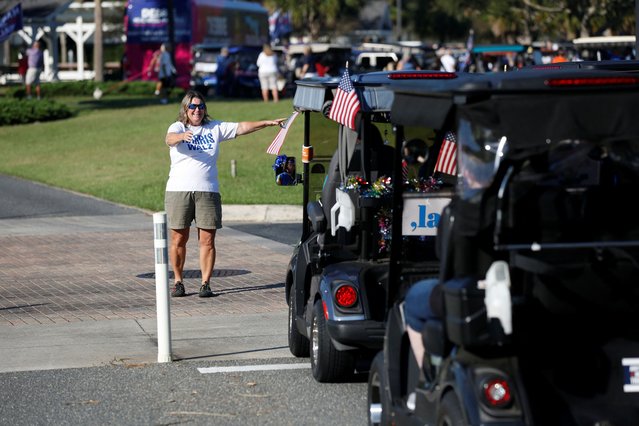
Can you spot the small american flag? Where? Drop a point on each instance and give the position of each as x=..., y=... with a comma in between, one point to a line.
x=447, y=159
x=276, y=145
x=346, y=104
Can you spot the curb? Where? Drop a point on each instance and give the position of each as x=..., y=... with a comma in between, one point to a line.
x=261, y=213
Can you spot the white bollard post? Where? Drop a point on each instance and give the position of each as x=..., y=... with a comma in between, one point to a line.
x=162, y=287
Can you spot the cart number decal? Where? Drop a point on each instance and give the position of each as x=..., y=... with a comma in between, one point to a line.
x=630, y=374
x=421, y=216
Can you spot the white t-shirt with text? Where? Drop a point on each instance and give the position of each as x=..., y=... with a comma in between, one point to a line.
x=194, y=164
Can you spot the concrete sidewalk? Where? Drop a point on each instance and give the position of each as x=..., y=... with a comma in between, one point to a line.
x=79, y=291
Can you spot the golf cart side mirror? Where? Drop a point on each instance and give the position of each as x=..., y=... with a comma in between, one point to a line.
x=286, y=171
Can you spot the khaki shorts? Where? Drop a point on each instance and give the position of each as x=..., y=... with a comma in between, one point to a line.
x=184, y=207
x=268, y=81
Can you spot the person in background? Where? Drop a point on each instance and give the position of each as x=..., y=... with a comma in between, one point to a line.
x=222, y=61
x=23, y=65
x=154, y=68
x=408, y=63
x=560, y=56
x=309, y=68
x=192, y=190
x=448, y=61
x=166, y=73
x=35, y=59
x=267, y=73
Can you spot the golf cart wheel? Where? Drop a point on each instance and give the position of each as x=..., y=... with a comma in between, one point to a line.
x=378, y=403
x=328, y=364
x=450, y=411
x=297, y=343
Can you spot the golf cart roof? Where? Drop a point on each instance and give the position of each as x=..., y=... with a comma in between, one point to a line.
x=298, y=49
x=531, y=107
x=621, y=40
x=374, y=89
x=610, y=65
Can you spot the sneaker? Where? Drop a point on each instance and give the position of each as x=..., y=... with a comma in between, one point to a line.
x=205, y=290
x=164, y=101
x=178, y=290
x=157, y=92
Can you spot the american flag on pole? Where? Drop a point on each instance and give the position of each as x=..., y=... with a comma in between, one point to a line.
x=447, y=158
x=276, y=145
x=467, y=57
x=346, y=104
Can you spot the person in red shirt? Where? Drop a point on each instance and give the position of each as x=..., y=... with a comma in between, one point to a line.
x=23, y=64
x=559, y=57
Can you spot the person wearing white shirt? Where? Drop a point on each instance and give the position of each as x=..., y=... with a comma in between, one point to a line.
x=268, y=72
x=192, y=190
x=448, y=62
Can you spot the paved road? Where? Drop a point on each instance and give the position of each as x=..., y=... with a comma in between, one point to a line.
x=78, y=335
x=179, y=393
x=22, y=199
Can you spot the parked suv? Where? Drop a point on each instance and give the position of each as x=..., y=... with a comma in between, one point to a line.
x=240, y=73
x=375, y=61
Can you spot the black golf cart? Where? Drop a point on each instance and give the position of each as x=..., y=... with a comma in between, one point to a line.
x=543, y=233
x=361, y=197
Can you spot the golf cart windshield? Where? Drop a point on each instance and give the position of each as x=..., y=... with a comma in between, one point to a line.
x=574, y=192
x=481, y=150
x=562, y=168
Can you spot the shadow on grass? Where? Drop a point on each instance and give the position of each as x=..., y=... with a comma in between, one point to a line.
x=121, y=102
x=118, y=101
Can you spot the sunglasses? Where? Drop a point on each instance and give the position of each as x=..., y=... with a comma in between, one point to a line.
x=196, y=106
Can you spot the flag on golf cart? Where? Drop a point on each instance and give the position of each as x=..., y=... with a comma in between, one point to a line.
x=346, y=104
x=276, y=145
x=447, y=158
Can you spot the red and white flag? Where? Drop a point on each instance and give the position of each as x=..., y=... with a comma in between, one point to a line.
x=345, y=104
x=276, y=145
x=447, y=158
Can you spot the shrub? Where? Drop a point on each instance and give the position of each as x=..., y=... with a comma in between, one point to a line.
x=86, y=88
x=16, y=111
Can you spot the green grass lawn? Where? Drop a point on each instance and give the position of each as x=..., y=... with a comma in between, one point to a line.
x=114, y=149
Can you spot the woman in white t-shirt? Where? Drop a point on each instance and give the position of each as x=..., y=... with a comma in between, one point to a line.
x=192, y=190
x=268, y=72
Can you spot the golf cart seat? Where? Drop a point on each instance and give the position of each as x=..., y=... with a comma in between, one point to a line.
x=340, y=208
x=328, y=215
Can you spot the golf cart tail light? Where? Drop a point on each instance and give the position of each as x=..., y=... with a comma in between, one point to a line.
x=497, y=392
x=591, y=81
x=422, y=75
x=346, y=296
